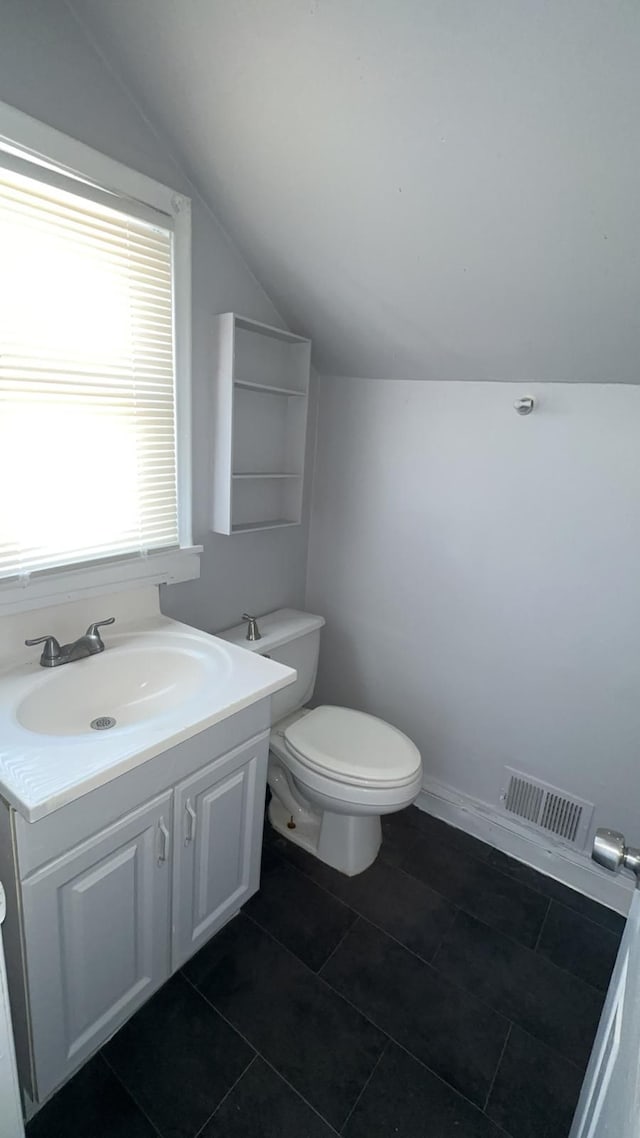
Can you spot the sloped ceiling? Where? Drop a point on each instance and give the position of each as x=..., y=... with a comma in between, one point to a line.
x=438, y=189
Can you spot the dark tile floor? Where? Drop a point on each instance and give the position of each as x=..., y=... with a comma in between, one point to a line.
x=449, y=990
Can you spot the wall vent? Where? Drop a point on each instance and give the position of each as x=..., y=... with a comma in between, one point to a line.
x=547, y=808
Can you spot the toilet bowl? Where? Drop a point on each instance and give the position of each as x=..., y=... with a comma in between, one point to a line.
x=332, y=771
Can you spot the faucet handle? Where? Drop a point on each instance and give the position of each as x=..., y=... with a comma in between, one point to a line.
x=93, y=628
x=253, y=632
x=51, y=649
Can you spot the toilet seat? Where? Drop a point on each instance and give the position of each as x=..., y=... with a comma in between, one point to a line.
x=353, y=748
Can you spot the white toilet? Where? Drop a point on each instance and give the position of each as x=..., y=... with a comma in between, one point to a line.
x=332, y=771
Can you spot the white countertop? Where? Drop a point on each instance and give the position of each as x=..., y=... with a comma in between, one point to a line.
x=39, y=772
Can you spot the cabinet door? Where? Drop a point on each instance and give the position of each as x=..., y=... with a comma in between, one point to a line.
x=219, y=817
x=97, y=938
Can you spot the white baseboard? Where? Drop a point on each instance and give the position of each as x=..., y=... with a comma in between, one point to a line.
x=488, y=823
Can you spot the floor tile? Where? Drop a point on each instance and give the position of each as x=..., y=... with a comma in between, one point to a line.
x=404, y=907
x=579, y=945
x=296, y=912
x=555, y=1007
x=405, y=1100
x=92, y=1105
x=320, y=1044
x=535, y=1092
x=479, y=889
x=262, y=1105
x=433, y=827
x=178, y=1058
x=609, y=919
x=443, y=1026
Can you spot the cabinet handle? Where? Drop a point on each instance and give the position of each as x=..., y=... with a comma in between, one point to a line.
x=191, y=822
x=164, y=842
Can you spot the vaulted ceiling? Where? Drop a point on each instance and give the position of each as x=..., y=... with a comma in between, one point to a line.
x=431, y=189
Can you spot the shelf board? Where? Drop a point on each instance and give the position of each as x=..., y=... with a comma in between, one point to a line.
x=248, y=527
x=247, y=325
x=266, y=388
x=258, y=474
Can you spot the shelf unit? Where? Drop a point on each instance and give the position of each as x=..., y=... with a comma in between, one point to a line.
x=260, y=419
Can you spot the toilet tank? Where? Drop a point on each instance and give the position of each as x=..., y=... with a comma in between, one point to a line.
x=292, y=638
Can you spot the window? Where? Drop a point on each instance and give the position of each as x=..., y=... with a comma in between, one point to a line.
x=93, y=384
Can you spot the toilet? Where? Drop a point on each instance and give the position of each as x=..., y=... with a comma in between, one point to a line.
x=333, y=771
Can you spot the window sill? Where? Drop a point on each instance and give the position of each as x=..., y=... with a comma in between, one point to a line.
x=114, y=577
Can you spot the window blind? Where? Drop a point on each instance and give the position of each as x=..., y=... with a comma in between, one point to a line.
x=87, y=391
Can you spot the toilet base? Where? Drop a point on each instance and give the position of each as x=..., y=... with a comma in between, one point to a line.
x=347, y=842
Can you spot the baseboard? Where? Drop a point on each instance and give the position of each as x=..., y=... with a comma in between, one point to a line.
x=486, y=822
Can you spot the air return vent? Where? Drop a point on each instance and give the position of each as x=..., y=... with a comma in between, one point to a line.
x=544, y=806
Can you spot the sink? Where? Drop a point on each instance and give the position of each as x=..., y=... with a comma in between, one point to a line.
x=120, y=687
x=65, y=731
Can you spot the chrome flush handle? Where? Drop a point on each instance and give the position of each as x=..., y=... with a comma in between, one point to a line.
x=253, y=632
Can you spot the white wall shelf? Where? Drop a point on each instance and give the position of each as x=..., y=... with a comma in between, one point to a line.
x=266, y=476
x=267, y=388
x=260, y=417
x=251, y=527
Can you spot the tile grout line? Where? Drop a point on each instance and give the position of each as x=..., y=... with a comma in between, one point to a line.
x=128, y=1092
x=372, y=1073
x=498, y=1065
x=483, y=1003
x=501, y=1015
x=464, y=991
x=377, y=1026
x=443, y=897
x=561, y=967
x=403, y=1047
x=227, y=1093
x=259, y=1054
x=539, y=889
x=434, y=956
x=440, y=1078
x=388, y=865
x=298, y=1094
x=363, y=917
x=358, y=917
x=544, y=921
x=519, y=944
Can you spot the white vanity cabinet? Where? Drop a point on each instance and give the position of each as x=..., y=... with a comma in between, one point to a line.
x=217, y=861
x=110, y=894
x=96, y=932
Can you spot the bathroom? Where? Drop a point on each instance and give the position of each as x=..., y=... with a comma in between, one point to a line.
x=444, y=204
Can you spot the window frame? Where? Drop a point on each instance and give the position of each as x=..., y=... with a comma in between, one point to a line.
x=48, y=145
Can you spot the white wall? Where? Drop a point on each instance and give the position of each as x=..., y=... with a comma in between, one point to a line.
x=432, y=189
x=49, y=69
x=480, y=576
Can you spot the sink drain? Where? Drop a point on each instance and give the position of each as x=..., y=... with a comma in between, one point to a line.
x=102, y=723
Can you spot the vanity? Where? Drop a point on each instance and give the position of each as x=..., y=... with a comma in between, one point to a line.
x=123, y=850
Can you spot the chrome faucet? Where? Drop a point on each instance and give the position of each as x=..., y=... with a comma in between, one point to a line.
x=253, y=632
x=54, y=654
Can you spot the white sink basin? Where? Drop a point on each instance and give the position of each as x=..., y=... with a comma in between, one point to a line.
x=160, y=684
x=122, y=686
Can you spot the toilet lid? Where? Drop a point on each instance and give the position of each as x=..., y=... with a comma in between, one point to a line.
x=354, y=747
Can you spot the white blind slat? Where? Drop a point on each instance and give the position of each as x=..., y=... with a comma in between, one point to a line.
x=87, y=403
